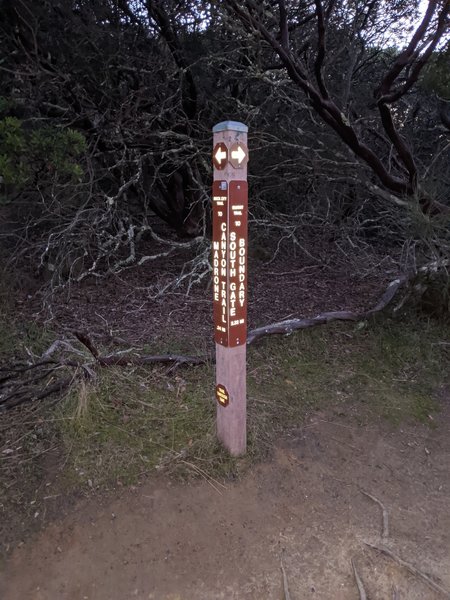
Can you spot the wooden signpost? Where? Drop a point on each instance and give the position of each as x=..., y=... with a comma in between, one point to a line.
x=230, y=248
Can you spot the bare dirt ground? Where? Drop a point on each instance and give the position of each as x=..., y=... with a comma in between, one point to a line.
x=226, y=540
x=306, y=506
x=126, y=309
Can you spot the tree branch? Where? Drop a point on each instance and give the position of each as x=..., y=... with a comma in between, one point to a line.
x=318, y=64
x=404, y=58
x=329, y=110
x=284, y=28
x=15, y=390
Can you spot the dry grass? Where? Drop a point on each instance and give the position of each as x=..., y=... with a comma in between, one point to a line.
x=130, y=423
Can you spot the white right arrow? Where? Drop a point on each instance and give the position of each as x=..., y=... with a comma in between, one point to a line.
x=239, y=154
x=220, y=155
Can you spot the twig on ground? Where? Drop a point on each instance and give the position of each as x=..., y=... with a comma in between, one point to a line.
x=62, y=345
x=359, y=583
x=287, y=595
x=385, y=530
x=175, y=359
x=212, y=482
x=395, y=593
x=344, y=444
x=19, y=384
x=296, y=272
x=118, y=359
x=435, y=586
x=86, y=341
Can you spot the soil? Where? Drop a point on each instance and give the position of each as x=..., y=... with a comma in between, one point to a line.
x=305, y=507
x=127, y=310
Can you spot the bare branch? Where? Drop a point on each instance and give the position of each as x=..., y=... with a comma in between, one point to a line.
x=383, y=93
x=359, y=583
x=321, y=43
x=284, y=26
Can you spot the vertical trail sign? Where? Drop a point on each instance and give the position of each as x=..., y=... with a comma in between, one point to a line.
x=230, y=249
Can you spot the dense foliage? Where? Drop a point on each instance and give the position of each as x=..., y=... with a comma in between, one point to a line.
x=106, y=110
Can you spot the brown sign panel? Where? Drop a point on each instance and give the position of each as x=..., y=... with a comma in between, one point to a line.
x=222, y=395
x=237, y=262
x=220, y=261
x=220, y=156
x=229, y=246
x=238, y=155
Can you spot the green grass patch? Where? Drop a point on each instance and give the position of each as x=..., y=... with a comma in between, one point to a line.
x=133, y=421
x=129, y=422
x=387, y=369
x=171, y=344
x=17, y=336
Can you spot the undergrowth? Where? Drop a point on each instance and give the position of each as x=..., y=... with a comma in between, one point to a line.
x=130, y=422
x=18, y=336
x=388, y=369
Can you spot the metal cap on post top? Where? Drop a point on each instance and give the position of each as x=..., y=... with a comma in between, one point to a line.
x=230, y=125
x=230, y=209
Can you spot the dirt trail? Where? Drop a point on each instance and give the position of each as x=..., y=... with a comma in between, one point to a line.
x=166, y=541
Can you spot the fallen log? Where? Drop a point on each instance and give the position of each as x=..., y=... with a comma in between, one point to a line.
x=289, y=326
x=19, y=382
x=126, y=359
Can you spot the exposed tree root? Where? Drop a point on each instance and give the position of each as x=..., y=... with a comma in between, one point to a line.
x=359, y=583
x=287, y=595
x=385, y=530
x=430, y=582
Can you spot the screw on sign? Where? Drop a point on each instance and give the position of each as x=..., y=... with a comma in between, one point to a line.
x=230, y=249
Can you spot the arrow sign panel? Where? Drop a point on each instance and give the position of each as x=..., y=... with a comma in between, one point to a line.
x=238, y=155
x=229, y=260
x=220, y=156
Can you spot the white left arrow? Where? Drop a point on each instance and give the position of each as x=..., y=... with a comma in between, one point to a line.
x=239, y=154
x=220, y=154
